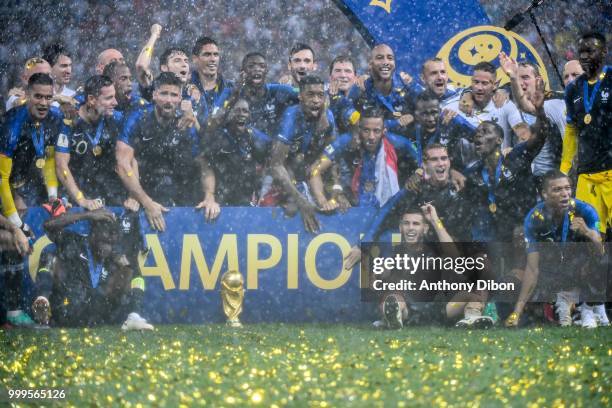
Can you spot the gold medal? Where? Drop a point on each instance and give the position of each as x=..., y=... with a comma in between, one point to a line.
x=40, y=163
x=368, y=186
x=492, y=207
x=587, y=118
x=97, y=150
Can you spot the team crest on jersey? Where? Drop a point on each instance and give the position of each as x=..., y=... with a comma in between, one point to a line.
x=604, y=96
x=507, y=173
x=329, y=149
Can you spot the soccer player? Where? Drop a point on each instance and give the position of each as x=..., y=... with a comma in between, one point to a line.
x=427, y=307
x=206, y=76
x=501, y=187
x=558, y=219
x=168, y=158
x=267, y=102
x=84, y=283
x=305, y=130
x=173, y=59
x=29, y=136
x=61, y=69
x=484, y=83
x=443, y=127
x=17, y=95
x=238, y=153
x=437, y=188
x=386, y=91
x=127, y=98
x=106, y=57
x=301, y=63
x=523, y=78
x=373, y=164
x=571, y=70
x=342, y=77
x=435, y=78
x=88, y=171
x=589, y=128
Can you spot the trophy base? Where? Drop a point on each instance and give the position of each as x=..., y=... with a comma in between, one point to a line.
x=234, y=323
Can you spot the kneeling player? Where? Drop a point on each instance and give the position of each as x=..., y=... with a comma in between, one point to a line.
x=557, y=220
x=87, y=281
x=425, y=306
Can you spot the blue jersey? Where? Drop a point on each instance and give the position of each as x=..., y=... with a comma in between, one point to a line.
x=215, y=97
x=166, y=156
x=266, y=111
x=25, y=140
x=400, y=100
x=453, y=136
x=500, y=203
x=305, y=143
x=540, y=227
x=92, y=158
x=238, y=160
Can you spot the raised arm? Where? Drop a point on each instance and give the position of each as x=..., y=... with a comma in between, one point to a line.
x=143, y=63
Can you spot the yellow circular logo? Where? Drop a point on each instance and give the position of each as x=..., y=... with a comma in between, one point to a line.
x=483, y=44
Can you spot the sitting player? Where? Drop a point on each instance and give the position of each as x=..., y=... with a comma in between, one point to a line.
x=88, y=279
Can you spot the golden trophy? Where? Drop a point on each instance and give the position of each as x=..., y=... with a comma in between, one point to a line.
x=232, y=295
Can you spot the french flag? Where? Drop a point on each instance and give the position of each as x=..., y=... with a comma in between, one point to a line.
x=386, y=173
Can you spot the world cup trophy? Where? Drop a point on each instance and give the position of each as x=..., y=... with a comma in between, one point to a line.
x=232, y=295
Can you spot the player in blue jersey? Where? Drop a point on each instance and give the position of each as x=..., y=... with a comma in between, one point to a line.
x=557, y=220
x=342, y=77
x=206, y=75
x=238, y=154
x=127, y=98
x=385, y=90
x=29, y=136
x=88, y=171
x=373, y=163
x=304, y=132
x=445, y=128
x=267, y=101
x=169, y=158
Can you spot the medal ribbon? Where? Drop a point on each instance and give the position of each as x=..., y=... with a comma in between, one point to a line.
x=94, y=270
x=38, y=140
x=94, y=142
x=590, y=100
x=485, y=177
x=419, y=143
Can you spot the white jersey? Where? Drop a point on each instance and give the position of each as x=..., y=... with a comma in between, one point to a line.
x=65, y=92
x=508, y=116
x=545, y=160
x=12, y=100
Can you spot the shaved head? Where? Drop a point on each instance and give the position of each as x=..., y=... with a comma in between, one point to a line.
x=106, y=57
x=571, y=70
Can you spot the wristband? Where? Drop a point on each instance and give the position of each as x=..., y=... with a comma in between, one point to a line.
x=439, y=224
x=79, y=196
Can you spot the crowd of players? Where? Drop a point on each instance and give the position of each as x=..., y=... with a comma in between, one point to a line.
x=481, y=164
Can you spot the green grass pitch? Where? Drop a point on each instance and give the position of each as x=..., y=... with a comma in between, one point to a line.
x=312, y=365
